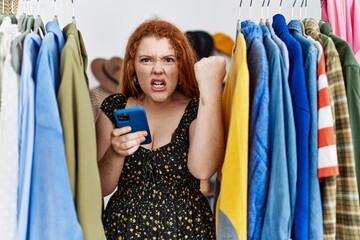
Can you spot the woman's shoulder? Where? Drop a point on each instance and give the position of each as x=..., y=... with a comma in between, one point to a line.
x=112, y=103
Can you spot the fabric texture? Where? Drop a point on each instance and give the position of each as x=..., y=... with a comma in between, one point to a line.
x=344, y=19
x=310, y=54
x=282, y=46
x=31, y=49
x=278, y=218
x=258, y=175
x=232, y=179
x=8, y=133
x=351, y=74
x=341, y=209
x=79, y=134
x=301, y=108
x=51, y=200
x=97, y=96
x=157, y=196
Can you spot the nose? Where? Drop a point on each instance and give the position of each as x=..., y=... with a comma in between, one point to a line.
x=158, y=67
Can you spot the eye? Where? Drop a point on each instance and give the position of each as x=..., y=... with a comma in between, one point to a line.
x=146, y=60
x=169, y=60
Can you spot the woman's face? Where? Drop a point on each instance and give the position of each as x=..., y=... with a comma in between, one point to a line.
x=156, y=68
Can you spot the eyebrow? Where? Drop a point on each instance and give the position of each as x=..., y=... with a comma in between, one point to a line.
x=164, y=56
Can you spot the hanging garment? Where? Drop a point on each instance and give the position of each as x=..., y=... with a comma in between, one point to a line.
x=8, y=133
x=231, y=204
x=79, y=134
x=32, y=44
x=278, y=218
x=310, y=54
x=351, y=73
x=327, y=155
x=283, y=48
x=302, y=124
x=258, y=175
x=341, y=212
x=52, y=213
x=344, y=19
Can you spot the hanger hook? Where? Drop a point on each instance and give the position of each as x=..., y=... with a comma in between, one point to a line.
x=267, y=9
x=3, y=7
x=250, y=9
x=262, y=9
x=240, y=3
x=280, y=6
x=294, y=3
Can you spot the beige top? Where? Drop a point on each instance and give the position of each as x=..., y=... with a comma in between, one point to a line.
x=97, y=95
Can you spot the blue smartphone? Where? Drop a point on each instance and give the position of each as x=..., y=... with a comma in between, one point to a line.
x=135, y=118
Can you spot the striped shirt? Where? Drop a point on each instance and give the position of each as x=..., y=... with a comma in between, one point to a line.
x=342, y=214
x=327, y=156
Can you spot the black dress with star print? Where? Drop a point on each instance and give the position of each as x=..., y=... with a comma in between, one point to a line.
x=157, y=197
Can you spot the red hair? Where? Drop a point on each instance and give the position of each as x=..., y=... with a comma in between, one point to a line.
x=184, y=53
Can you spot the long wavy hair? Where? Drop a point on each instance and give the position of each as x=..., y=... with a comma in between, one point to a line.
x=185, y=56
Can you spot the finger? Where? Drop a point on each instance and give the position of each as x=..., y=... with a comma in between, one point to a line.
x=129, y=151
x=120, y=131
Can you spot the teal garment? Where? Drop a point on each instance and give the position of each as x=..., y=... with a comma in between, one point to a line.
x=310, y=55
x=351, y=73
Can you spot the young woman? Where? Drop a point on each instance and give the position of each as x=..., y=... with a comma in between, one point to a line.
x=158, y=195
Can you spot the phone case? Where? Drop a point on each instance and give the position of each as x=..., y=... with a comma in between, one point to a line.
x=135, y=118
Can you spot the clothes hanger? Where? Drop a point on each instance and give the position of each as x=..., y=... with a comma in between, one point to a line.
x=267, y=22
x=262, y=13
x=301, y=8
x=22, y=19
x=29, y=19
x=55, y=19
x=12, y=16
x=73, y=10
x=250, y=10
x=292, y=10
x=39, y=27
x=238, y=24
x=280, y=6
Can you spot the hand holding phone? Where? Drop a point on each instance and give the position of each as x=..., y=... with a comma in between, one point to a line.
x=135, y=118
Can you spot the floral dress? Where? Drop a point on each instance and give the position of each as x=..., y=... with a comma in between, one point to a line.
x=157, y=197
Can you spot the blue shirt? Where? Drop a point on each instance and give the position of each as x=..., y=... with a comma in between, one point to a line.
x=259, y=128
x=310, y=54
x=302, y=124
x=32, y=43
x=52, y=211
x=278, y=217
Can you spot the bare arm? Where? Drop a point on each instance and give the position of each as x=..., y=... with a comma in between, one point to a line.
x=112, y=147
x=206, y=151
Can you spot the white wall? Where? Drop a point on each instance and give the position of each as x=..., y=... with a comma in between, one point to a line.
x=106, y=24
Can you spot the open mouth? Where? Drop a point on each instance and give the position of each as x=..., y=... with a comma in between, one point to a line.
x=158, y=84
